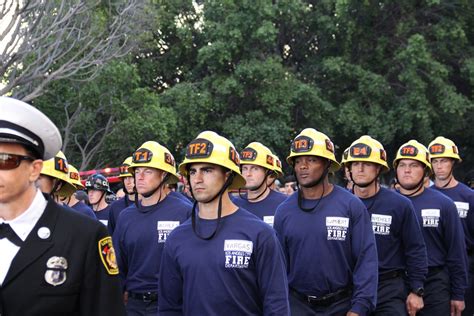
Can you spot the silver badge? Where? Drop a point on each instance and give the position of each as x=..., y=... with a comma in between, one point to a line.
x=44, y=232
x=56, y=273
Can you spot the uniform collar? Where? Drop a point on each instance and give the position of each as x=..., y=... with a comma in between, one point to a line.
x=23, y=224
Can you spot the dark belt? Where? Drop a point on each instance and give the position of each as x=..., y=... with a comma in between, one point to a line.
x=435, y=270
x=391, y=275
x=145, y=297
x=324, y=300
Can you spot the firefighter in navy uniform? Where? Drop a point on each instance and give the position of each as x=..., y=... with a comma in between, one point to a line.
x=97, y=187
x=442, y=231
x=53, y=261
x=130, y=194
x=444, y=157
x=327, y=236
x=72, y=201
x=143, y=227
x=400, y=246
x=257, y=164
x=224, y=260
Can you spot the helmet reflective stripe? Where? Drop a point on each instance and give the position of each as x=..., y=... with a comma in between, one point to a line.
x=311, y=142
x=366, y=149
x=442, y=147
x=210, y=147
x=415, y=151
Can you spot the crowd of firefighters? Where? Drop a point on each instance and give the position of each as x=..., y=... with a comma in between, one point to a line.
x=230, y=242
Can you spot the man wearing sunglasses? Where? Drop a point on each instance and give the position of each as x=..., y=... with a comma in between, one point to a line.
x=52, y=261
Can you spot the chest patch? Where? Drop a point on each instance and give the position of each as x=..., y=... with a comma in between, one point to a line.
x=268, y=220
x=381, y=224
x=463, y=208
x=237, y=253
x=337, y=227
x=165, y=228
x=430, y=217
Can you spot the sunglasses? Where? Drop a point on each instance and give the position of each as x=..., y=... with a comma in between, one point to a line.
x=12, y=161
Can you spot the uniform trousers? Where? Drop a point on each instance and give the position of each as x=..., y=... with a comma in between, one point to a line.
x=469, y=295
x=391, y=297
x=437, y=297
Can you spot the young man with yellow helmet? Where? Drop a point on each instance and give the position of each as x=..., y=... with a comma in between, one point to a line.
x=400, y=246
x=118, y=206
x=258, y=167
x=327, y=236
x=442, y=232
x=142, y=228
x=224, y=261
x=54, y=178
x=72, y=201
x=444, y=157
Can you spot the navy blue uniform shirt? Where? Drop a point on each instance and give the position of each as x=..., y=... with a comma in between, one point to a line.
x=331, y=248
x=264, y=209
x=400, y=243
x=115, y=209
x=240, y=271
x=139, y=238
x=463, y=197
x=444, y=237
x=82, y=208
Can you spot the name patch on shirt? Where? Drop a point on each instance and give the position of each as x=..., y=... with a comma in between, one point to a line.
x=237, y=253
x=430, y=217
x=381, y=224
x=462, y=207
x=165, y=228
x=268, y=220
x=337, y=227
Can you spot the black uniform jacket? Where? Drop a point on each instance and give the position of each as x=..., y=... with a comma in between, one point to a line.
x=70, y=272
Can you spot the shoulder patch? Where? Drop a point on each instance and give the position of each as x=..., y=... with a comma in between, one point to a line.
x=107, y=255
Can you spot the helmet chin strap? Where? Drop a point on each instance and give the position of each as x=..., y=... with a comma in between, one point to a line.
x=312, y=185
x=150, y=193
x=219, y=195
x=418, y=186
x=267, y=174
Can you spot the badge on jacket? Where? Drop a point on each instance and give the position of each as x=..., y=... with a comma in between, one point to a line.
x=56, y=272
x=107, y=254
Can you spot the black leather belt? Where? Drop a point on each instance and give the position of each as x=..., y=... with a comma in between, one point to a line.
x=391, y=275
x=145, y=297
x=435, y=270
x=324, y=300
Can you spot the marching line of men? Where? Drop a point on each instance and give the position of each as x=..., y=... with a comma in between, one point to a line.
x=365, y=250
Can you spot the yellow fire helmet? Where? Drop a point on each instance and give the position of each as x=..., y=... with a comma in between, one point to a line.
x=369, y=150
x=210, y=147
x=311, y=142
x=442, y=147
x=277, y=166
x=415, y=151
x=75, y=178
x=151, y=154
x=58, y=168
x=124, y=172
x=345, y=154
x=257, y=154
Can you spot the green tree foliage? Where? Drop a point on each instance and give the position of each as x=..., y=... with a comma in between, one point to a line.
x=103, y=121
